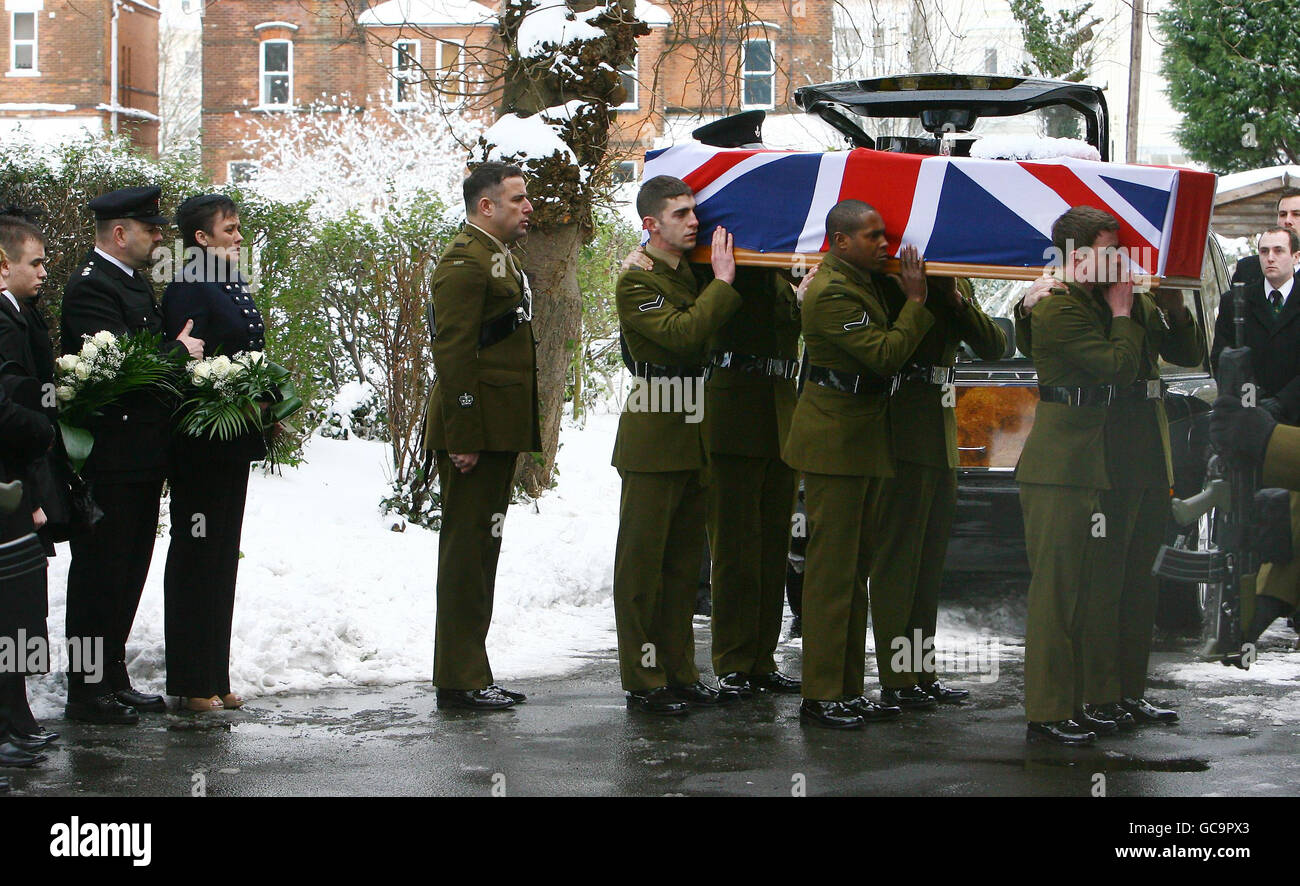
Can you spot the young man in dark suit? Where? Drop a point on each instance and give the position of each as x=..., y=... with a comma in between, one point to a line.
x=1248, y=270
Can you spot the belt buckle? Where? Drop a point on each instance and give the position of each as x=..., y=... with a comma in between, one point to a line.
x=938, y=375
x=1153, y=389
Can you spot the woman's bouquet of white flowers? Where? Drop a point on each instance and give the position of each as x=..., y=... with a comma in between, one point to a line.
x=228, y=397
x=105, y=369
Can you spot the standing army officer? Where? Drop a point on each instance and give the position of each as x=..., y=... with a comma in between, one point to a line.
x=1085, y=346
x=913, y=510
x=1139, y=466
x=749, y=398
x=839, y=438
x=481, y=414
x=659, y=452
x=109, y=565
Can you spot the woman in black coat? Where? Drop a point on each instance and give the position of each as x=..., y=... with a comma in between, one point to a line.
x=208, y=478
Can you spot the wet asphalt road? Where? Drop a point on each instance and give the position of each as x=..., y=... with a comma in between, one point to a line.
x=575, y=737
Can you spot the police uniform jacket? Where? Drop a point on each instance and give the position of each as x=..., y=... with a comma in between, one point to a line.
x=1076, y=343
x=847, y=328
x=666, y=320
x=485, y=399
x=226, y=318
x=131, y=436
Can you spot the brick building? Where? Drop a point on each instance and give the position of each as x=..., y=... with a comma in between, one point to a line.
x=74, y=66
x=264, y=57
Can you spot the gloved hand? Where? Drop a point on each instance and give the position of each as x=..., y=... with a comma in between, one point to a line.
x=1273, y=406
x=1238, y=430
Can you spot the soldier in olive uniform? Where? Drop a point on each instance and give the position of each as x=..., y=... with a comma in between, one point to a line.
x=481, y=414
x=666, y=324
x=1121, y=615
x=1085, y=346
x=111, y=292
x=913, y=510
x=839, y=438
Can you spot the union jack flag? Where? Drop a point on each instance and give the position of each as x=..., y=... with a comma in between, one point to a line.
x=953, y=209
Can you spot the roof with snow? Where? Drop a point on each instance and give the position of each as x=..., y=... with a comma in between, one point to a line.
x=1267, y=178
x=427, y=12
x=653, y=15
x=1245, y=203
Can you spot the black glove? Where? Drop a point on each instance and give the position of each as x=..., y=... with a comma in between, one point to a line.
x=1238, y=430
x=1274, y=407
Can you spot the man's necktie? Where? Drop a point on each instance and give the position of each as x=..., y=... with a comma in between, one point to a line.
x=1275, y=299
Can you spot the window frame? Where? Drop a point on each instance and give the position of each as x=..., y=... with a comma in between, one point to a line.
x=746, y=75
x=399, y=80
x=461, y=72
x=262, y=92
x=15, y=42
x=634, y=70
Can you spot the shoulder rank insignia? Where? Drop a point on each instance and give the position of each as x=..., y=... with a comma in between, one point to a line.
x=85, y=272
x=466, y=399
x=651, y=305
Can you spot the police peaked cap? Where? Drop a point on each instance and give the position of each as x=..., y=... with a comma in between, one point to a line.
x=735, y=131
x=140, y=204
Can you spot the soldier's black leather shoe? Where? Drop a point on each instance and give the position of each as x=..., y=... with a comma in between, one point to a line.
x=1066, y=732
x=28, y=743
x=141, y=701
x=700, y=693
x=736, y=682
x=4, y=785
x=517, y=696
x=40, y=734
x=1144, y=711
x=869, y=710
x=104, y=710
x=1112, y=711
x=1098, y=725
x=474, y=699
x=829, y=714
x=911, y=698
x=945, y=694
x=12, y=756
x=661, y=701
x=776, y=682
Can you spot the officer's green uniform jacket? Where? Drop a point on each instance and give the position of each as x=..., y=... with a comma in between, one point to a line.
x=1137, y=431
x=846, y=327
x=1076, y=343
x=665, y=321
x=749, y=414
x=1282, y=458
x=484, y=400
x=924, y=431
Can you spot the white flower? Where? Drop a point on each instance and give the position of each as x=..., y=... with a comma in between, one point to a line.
x=237, y=368
x=81, y=370
x=104, y=338
x=64, y=393
x=202, y=369
x=221, y=366
x=253, y=357
x=89, y=351
x=66, y=362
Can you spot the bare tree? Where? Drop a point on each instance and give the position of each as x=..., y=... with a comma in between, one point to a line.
x=180, y=81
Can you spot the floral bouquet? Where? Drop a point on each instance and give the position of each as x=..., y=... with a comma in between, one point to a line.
x=228, y=397
x=105, y=369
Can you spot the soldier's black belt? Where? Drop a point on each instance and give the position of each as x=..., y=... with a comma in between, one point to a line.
x=1147, y=389
x=933, y=375
x=660, y=370
x=1088, y=395
x=850, y=383
x=500, y=328
x=772, y=367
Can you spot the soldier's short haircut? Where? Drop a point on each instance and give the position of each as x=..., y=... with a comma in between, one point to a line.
x=1287, y=193
x=16, y=229
x=202, y=213
x=1292, y=236
x=656, y=193
x=485, y=180
x=1080, y=226
x=847, y=217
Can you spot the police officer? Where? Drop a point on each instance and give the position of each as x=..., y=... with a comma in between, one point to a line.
x=913, y=510
x=1086, y=345
x=109, y=566
x=481, y=414
x=839, y=438
x=666, y=323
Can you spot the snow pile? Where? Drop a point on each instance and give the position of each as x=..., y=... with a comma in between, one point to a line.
x=328, y=597
x=533, y=138
x=552, y=25
x=1027, y=147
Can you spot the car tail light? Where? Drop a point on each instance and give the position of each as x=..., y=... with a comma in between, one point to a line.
x=992, y=423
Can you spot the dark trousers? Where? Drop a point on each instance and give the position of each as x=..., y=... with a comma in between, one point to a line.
x=469, y=544
x=207, y=514
x=15, y=714
x=107, y=574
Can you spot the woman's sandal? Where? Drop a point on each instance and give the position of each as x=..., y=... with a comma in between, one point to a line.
x=232, y=702
x=201, y=705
